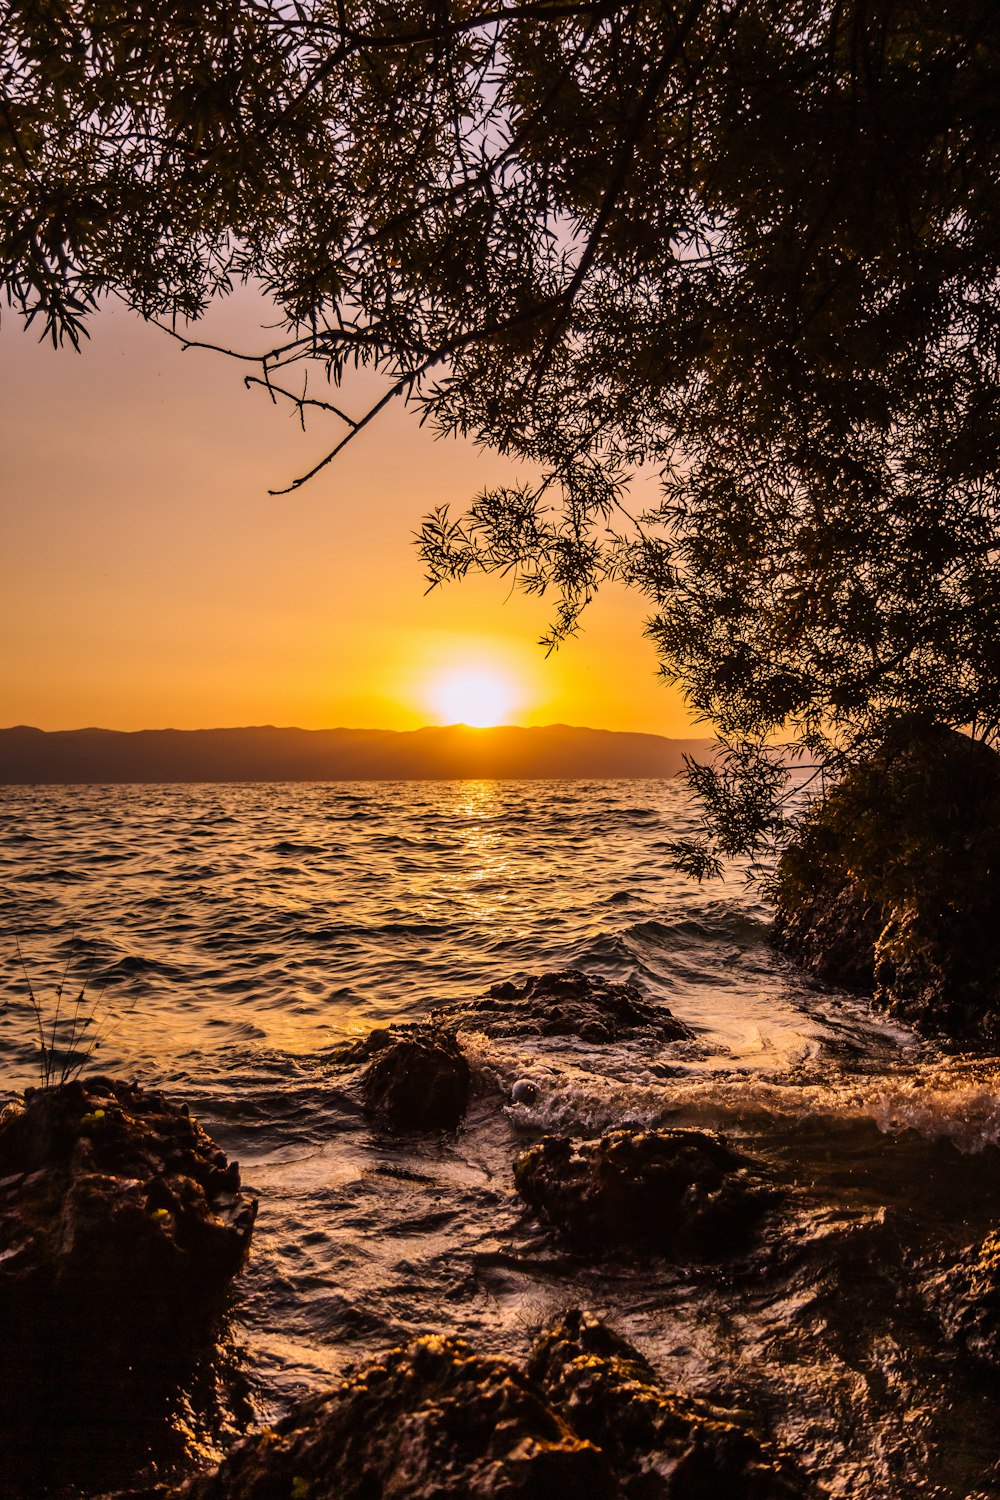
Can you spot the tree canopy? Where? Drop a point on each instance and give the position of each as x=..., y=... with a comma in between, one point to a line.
x=747, y=248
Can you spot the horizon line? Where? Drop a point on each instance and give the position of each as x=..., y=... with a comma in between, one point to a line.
x=350, y=729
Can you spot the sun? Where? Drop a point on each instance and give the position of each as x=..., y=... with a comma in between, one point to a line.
x=478, y=696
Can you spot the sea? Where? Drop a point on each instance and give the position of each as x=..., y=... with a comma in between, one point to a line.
x=228, y=938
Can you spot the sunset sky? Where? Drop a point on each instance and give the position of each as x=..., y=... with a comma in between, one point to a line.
x=149, y=580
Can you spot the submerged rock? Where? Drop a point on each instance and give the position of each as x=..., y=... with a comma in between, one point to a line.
x=677, y=1192
x=434, y=1421
x=967, y=1300
x=892, y=886
x=121, y=1227
x=415, y=1077
x=567, y=1003
x=660, y=1442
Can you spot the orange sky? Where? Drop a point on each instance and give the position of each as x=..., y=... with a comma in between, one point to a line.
x=148, y=580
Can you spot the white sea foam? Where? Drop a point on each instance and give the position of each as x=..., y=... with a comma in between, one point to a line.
x=942, y=1098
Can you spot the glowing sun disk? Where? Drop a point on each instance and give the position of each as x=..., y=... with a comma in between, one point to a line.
x=477, y=696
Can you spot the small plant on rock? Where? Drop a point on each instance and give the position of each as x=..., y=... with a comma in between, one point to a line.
x=73, y=1023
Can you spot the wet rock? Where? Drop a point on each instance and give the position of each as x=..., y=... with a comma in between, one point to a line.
x=660, y=1442
x=892, y=886
x=676, y=1192
x=415, y=1077
x=436, y=1421
x=432, y=1420
x=111, y=1194
x=567, y=1003
x=121, y=1227
x=967, y=1300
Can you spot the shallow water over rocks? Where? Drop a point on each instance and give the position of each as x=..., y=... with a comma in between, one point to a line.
x=249, y=931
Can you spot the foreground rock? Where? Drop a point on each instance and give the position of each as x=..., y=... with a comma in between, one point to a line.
x=121, y=1228
x=116, y=1206
x=660, y=1442
x=676, y=1192
x=967, y=1301
x=567, y=1003
x=436, y=1421
x=893, y=885
x=415, y=1077
x=429, y=1422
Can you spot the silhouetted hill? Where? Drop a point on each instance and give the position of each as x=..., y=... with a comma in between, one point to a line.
x=269, y=754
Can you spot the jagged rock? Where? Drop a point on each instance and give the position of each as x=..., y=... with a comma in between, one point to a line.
x=434, y=1421
x=677, y=1192
x=660, y=1442
x=121, y=1227
x=415, y=1077
x=110, y=1192
x=892, y=885
x=967, y=1300
x=567, y=1003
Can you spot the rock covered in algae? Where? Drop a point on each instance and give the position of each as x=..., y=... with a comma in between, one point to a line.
x=661, y=1443
x=967, y=1299
x=589, y=1420
x=676, y=1192
x=122, y=1225
x=433, y=1421
x=566, y=1003
x=121, y=1222
x=415, y=1077
x=892, y=885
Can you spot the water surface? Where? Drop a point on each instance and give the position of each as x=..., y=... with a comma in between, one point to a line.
x=241, y=932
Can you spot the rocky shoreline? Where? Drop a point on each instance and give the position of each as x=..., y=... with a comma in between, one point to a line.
x=123, y=1230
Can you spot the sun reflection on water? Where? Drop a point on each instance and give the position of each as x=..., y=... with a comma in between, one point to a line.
x=483, y=859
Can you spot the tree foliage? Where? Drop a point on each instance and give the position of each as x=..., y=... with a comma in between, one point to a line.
x=746, y=248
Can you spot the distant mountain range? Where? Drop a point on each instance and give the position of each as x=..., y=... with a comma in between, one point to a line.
x=270, y=754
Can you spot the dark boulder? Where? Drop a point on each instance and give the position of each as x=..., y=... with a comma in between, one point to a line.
x=567, y=1003
x=661, y=1442
x=892, y=885
x=967, y=1300
x=114, y=1200
x=434, y=1421
x=676, y=1192
x=121, y=1227
x=414, y=1077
